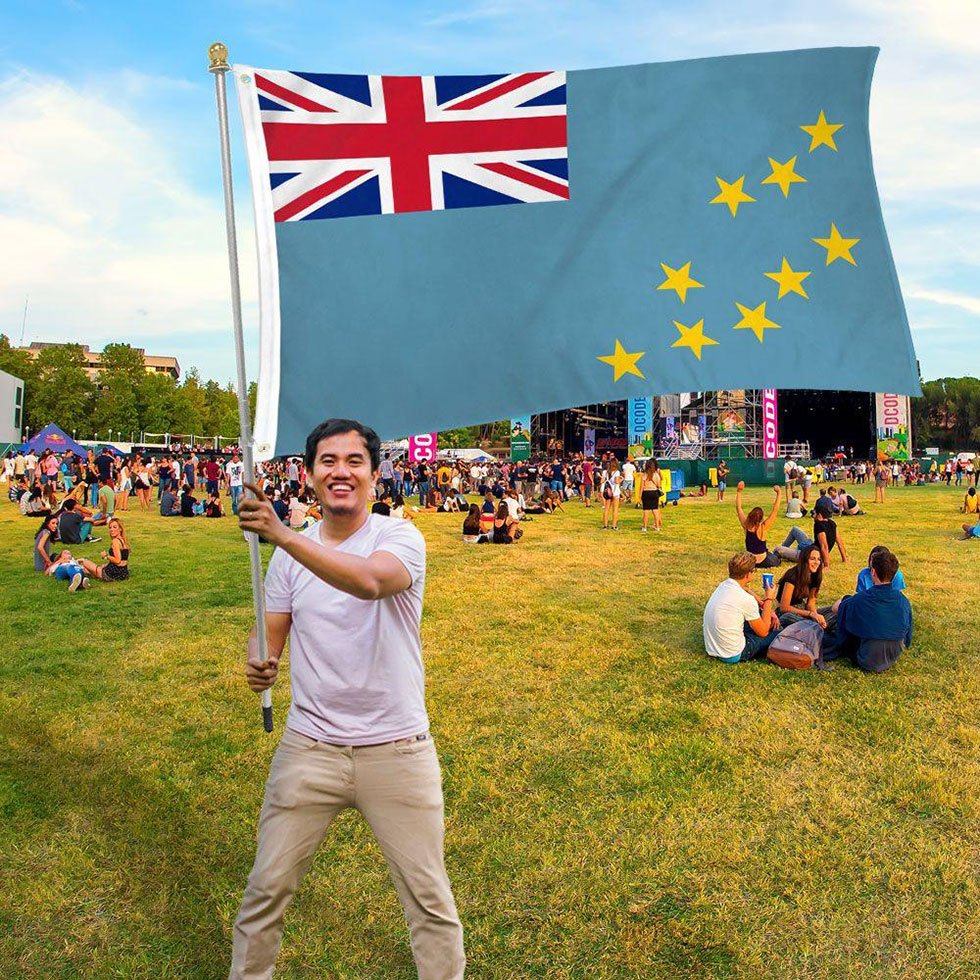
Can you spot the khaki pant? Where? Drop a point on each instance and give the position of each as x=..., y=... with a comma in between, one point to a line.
x=397, y=787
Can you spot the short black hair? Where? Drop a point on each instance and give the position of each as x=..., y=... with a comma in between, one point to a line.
x=69, y=504
x=338, y=427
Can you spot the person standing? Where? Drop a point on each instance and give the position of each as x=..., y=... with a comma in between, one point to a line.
x=651, y=491
x=612, y=483
x=347, y=593
x=881, y=475
x=629, y=478
x=235, y=471
x=723, y=472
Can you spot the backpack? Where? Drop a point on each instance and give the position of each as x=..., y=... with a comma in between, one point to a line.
x=798, y=647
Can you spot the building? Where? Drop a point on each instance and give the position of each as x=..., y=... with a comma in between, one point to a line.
x=11, y=408
x=93, y=360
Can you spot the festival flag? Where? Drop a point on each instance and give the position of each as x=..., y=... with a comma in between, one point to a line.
x=439, y=251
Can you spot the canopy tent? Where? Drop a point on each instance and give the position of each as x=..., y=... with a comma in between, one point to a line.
x=51, y=437
x=470, y=455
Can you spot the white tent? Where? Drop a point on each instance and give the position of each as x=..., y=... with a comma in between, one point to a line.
x=470, y=455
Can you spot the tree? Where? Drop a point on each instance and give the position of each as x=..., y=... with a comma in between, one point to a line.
x=63, y=393
x=117, y=404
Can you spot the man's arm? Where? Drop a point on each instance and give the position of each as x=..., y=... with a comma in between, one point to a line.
x=822, y=542
x=840, y=547
x=376, y=577
x=261, y=674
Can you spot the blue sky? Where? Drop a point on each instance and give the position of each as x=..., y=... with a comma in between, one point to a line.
x=110, y=191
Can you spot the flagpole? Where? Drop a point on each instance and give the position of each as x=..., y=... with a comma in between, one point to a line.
x=219, y=67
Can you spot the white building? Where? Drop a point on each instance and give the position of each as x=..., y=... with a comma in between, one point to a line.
x=11, y=408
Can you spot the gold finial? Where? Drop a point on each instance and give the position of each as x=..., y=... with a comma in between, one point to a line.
x=218, y=54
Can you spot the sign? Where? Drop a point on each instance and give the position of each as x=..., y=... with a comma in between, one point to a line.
x=892, y=423
x=640, y=411
x=422, y=448
x=770, y=424
x=932, y=451
x=588, y=442
x=520, y=438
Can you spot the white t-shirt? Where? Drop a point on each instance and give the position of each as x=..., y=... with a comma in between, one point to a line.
x=789, y=467
x=728, y=610
x=629, y=472
x=355, y=664
x=513, y=507
x=236, y=473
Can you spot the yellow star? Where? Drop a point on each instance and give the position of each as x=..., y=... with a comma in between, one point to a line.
x=755, y=320
x=693, y=337
x=822, y=133
x=622, y=362
x=789, y=281
x=784, y=175
x=679, y=280
x=731, y=194
x=837, y=246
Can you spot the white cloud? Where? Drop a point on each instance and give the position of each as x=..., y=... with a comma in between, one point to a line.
x=961, y=301
x=99, y=226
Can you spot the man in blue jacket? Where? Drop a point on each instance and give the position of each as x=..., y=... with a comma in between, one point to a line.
x=873, y=627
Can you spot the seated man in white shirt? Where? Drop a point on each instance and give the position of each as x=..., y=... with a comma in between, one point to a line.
x=738, y=626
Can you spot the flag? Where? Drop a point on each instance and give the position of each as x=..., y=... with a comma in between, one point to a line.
x=444, y=250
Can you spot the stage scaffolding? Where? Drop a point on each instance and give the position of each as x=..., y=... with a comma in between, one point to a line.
x=709, y=424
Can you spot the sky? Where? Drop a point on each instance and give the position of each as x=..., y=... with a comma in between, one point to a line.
x=111, y=215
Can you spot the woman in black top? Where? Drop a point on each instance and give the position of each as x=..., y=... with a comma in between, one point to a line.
x=797, y=590
x=116, y=567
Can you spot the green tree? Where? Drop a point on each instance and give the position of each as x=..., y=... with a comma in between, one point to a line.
x=117, y=405
x=64, y=392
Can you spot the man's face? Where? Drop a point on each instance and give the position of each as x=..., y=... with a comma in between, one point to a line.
x=342, y=476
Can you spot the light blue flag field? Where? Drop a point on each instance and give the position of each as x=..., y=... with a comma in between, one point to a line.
x=438, y=251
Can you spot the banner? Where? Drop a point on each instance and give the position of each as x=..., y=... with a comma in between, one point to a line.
x=381, y=200
x=588, y=443
x=892, y=418
x=770, y=424
x=520, y=438
x=640, y=421
x=422, y=448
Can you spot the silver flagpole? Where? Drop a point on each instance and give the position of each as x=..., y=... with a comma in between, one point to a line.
x=219, y=67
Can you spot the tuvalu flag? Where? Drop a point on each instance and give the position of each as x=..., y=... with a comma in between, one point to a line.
x=436, y=251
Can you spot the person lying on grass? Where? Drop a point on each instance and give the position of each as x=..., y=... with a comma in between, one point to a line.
x=971, y=530
x=738, y=625
x=67, y=568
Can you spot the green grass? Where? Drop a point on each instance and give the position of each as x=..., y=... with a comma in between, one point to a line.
x=617, y=805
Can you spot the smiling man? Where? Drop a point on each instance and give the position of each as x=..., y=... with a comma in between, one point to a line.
x=347, y=593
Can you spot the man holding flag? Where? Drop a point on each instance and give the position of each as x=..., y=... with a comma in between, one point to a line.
x=347, y=593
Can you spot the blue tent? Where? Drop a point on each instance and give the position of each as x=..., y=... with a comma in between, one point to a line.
x=51, y=437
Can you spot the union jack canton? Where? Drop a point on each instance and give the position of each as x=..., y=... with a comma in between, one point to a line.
x=345, y=145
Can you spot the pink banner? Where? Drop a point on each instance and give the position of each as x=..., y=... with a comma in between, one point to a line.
x=770, y=424
x=422, y=447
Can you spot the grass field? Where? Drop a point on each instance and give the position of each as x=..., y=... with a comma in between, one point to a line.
x=617, y=805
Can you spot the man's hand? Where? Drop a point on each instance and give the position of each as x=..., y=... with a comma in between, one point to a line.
x=777, y=490
x=256, y=514
x=260, y=674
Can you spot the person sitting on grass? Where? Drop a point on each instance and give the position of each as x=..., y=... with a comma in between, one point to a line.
x=46, y=534
x=487, y=512
x=826, y=534
x=187, y=501
x=827, y=498
x=116, y=559
x=382, y=505
x=212, y=506
x=398, y=508
x=873, y=627
x=797, y=590
x=865, y=581
x=74, y=526
x=847, y=505
x=67, y=568
x=505, y=529
x=471, y=527
x=32, y=504
x=971, y=502
x=106, y=499
x=756, y=526
x=168, y=504
x=739, y=626
x=795, y=510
